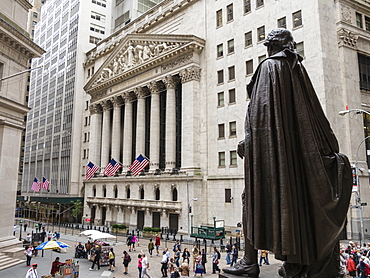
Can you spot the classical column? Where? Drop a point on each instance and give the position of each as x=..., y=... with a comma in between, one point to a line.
x=106, y=133
x=97, y=220
x=148, y=218
x=95, y=132
x=190, y=122
x=140, y=121
x=165, y=220
x=120, y=215
x=154, y=126
x=127, y=130
x=170, y=83
x=116, y=127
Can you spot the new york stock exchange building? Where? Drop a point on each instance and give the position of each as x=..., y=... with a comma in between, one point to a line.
x=171, y=85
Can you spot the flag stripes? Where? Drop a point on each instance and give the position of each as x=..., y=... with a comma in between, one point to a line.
x=112, y=168
x=45, y=183
x=91, y=169
x=36, y=186
x=138, y=165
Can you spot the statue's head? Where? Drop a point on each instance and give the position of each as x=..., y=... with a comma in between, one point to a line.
x=278, y=40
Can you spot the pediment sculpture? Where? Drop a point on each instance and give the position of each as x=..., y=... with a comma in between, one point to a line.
x=134, y=54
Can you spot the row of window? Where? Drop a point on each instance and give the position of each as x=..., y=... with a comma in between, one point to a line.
x=233, y=159
x=296, y=16
x=221, y=130
x=102, y=3
x=221, y=98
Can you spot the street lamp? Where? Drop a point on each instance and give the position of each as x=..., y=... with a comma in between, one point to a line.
x=189, y=213
x=20, y=230
x=359, y=204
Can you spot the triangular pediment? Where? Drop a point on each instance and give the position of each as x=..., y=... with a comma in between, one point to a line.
x=139, y=51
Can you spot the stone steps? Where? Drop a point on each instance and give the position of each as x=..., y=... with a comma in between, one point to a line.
x=6, y=262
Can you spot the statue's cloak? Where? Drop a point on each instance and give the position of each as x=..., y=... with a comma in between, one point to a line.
x=298, y=185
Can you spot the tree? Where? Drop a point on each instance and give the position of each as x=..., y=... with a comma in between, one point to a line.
x=77, y=208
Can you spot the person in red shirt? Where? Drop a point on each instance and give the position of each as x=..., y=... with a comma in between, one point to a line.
x=351, y=266
x=157, y=243
x=55, y=266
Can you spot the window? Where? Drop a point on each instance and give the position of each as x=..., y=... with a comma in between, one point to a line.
x=364, y=69
x=248, y=39
x=230, y=12
x=230, y=46
x=220, y=50
x=359, y=20
x=233, y=158
x=94, y=40
x=249, y=67
x=261, y=58
x=281, y=23
x=231, y=73
x=247, y=6
x=157, y=194
x=219, y=18
x=220, y=77
x=115, y=192
x=259, y=3
x=367, y=23
x=94, y=191
x=34, y=23
x=100, y=2
x=142, y=193
x=297, y=19
x=104, y=192
x=128, y=193
x=174, y=194
x=300, y=49
x=261, y=33
x=221, y=159
x=231, y=96
x=232, y=129
x=221, y=131
x=228, y=195
x=35, y=15
x=220, y=99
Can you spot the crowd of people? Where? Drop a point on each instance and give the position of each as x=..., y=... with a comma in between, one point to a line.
x=355, y=259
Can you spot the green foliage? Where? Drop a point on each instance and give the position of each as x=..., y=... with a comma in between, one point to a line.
x=119, y=226
x=156, y=230
x=147, y=229
x=77, y=208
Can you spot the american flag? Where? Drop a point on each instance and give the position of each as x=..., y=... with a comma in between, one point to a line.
x=111, y=168
x=36, y=186
x=45, y=183
x=91, y=169
x=138, y=165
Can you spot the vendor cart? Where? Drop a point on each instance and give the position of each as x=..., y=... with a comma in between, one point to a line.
x=104, y=254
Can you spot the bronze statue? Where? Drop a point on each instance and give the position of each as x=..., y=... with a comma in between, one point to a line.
x=297, y=184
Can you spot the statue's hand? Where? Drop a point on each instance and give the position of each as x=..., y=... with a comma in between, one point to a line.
x=241, y=149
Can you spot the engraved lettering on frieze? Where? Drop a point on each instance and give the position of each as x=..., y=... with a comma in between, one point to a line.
x=346, y=37
x=97, y=96
x=346, y=13
x=191, y=73
x=132, y=55
x=178, y=62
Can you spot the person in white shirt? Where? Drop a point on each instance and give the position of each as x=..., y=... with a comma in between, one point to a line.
x=145, y=268
x=164, y=263
x=32, y=272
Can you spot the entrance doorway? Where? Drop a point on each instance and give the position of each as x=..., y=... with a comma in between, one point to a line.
x=140, y=220
x=156, y=220
x=174, y=221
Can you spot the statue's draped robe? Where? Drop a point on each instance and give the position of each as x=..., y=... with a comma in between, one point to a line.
x=298, y=186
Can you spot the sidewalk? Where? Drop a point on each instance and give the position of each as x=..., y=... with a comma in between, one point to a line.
x=44, y=263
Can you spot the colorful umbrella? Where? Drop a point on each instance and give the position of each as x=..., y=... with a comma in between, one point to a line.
x=52, y=244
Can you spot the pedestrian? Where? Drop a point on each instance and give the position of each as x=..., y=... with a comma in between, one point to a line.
x=215, y=262
x=139, y=264
x=50, y=235
x=14, y=229
x=43, y=234
x=96, y=257
x=195, y=253
x=126, y=260
x=164, y=264
x=146, y=267
x=228, y=252
x=363, y=268
x=32, y=272
x=204, y=260
x=55, y=266
x=40, y=226
x=29, y=237
x=234, y=255
x=157, y=243
x=133, y=241
x=175, y=273
x=177, y=257
x=199, y=266
x=264, y=254
x=129, y=242
x=57, y=235
x=186, y=256
x=177, y=245
x=28, y=253
x=25, y=227
x=184, y=269
x=351, y=267
x=88, y=247
x=112, y=257
x=150, y=247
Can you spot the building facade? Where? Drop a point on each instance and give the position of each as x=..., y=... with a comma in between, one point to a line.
x=16, y=49
x=171, y=85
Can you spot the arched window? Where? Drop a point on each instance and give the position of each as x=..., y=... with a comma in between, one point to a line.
x=174, y=194
x=157, y=194
x=94, y=191
x=115, y=192
x=104, y=192
x=142, y=193
x=128, y=193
